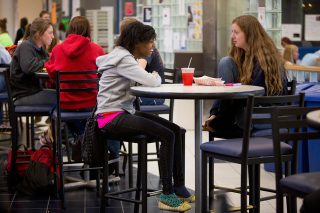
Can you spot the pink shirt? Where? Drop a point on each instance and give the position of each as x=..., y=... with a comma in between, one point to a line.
x=105, y=118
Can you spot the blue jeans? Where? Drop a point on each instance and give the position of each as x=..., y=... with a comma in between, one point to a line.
x=151, y=101
x=228, y=113
x=228, y=70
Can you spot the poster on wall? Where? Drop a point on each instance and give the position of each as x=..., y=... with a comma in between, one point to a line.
x=262, y=16
x=312, y=27
x=147, y=15
x=166, y=16
x=129, y=7
x=292, y=31
x=194, y=13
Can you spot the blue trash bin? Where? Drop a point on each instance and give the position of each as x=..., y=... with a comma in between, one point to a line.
x=307, y=152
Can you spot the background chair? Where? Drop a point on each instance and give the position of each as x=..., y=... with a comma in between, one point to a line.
x=296, y=185
x=248, y=151
x=69, y=85
x=20, y=111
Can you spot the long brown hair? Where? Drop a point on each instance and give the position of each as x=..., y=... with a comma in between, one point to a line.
x=263, y=50
x=40, y=26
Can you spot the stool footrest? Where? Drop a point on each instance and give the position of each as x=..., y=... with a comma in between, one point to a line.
x=123, y=199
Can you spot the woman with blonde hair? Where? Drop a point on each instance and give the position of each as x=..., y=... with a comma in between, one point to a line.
x=253, y=60
x=291, y=54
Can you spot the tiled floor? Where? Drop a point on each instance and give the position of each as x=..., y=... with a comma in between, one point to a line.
x=85, y=200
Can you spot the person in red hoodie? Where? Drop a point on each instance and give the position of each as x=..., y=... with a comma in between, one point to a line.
x=76, y=53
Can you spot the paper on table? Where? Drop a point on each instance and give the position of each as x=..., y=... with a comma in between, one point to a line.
x=208, y=81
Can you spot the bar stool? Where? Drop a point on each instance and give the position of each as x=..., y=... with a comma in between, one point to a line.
x=141, y=184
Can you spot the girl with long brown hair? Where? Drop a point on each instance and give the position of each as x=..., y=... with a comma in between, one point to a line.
x=253, y=60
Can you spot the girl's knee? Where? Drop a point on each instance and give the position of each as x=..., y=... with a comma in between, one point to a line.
x=226, y=62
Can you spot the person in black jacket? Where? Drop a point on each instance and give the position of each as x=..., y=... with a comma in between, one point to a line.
x=21, y=30
x=29, y=58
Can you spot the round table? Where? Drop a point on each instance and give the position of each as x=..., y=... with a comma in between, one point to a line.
x=197, y=93
x=313, y=119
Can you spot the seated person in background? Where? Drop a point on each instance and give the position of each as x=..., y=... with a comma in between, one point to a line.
x=253, y=60
x=116, y=114
x=26, y=35
x=151, y=63
x=29, y=58
x=285, y=41
x=5, y=39
x=291, y=54
x=311, y=59
x=5, y=58
x=21, y=30
x=78, y=53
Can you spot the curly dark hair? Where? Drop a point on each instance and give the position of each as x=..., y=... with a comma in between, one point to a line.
x=134, y=34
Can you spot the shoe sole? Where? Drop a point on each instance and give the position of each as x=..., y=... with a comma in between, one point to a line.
x=190, y=199
x=182, y=208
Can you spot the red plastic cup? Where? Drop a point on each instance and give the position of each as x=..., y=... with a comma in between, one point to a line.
x=187, y=76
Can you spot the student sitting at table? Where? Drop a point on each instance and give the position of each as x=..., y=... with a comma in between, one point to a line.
x=253, y=60
x=116, y=114
x=29, y=58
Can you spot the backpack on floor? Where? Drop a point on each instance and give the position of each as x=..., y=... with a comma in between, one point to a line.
x=39, y=177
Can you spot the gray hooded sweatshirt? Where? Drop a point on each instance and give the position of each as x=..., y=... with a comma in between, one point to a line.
x=120, y=71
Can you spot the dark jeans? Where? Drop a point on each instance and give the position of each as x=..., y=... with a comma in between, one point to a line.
x=155, y=127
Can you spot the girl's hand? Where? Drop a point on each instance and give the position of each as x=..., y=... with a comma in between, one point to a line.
x=206, y=125
x=155, y=73
x=142, y=62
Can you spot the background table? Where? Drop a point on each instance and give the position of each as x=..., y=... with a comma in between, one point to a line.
x=197, y=93
x=313, y=119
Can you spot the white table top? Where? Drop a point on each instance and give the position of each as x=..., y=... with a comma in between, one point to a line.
x=313, y=119
x=178, y=91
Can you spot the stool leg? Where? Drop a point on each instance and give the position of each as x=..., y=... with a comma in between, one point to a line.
x=144, y=165
x=32, y=133
x=257, y=174
x=103, y=199
x=54, y=150
x=27, y=131
x=66, y=139
x=183, y=142
x=158, y=157
x=139, y=175
x=251, y=172
x=14, y=135
x=204, y=183
x=130, y=162
x=211, y=182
